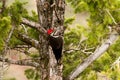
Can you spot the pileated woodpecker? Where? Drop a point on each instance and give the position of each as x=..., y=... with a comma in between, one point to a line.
x=56, y=42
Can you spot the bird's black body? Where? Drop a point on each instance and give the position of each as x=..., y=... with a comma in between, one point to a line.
x=57, y=44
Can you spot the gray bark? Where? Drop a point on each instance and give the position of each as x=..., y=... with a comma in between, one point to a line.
x=47, y=19
x=23, y=62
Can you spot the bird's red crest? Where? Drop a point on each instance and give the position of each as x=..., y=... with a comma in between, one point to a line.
x=49, y=31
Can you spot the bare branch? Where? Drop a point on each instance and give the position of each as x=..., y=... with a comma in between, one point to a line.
x=8, y=39
x=26, y=32
x=87, y=52
x=98, y=52
x=70, y=50
x=34, y=25
x=28, y=40
x=84, y=49
x=24, y=62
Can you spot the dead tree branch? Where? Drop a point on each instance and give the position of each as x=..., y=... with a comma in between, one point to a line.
x=28, y=40
x=23, y=62
x=34, y=25
x=84, y=49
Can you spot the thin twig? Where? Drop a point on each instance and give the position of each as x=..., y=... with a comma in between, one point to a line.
x=111, y=16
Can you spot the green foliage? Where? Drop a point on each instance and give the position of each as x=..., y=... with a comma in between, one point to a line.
x=14, y=42
x=103, y=63
x=96, y=8
x=69, y=20
x=5, y=26
x=115, y=75
x=96, y=33
x=17, y=11
x=71, y=59
x=114, y=50
x=72, y=38
x=91, y=76
x=33, y=33
x=32, y=74
x=33, y=16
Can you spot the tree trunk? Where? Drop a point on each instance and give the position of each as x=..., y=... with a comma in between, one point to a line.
x=50, y=14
